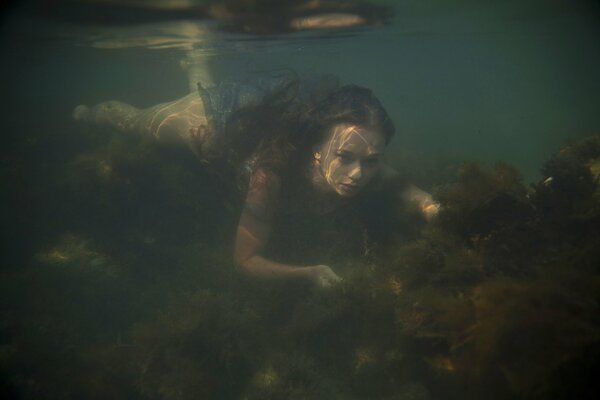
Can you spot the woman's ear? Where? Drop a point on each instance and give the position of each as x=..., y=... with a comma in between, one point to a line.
x=316, y=150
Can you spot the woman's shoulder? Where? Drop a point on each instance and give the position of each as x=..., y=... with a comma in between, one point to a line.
x=263, y=193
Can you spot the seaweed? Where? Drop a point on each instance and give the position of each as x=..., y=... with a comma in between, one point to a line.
x=568, y=198
x=483, y=201
x=134, y=295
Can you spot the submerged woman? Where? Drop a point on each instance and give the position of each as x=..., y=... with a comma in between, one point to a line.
x=327, y=195
x=318, y=190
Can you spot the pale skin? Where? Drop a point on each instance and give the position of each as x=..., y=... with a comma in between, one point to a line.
x=175, y=121
x=344, y=164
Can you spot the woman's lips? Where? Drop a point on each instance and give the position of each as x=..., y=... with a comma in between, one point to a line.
x=349, y=186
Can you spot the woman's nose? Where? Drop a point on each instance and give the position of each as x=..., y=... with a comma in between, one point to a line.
x=356, y=172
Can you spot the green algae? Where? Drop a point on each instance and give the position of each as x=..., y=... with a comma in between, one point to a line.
x=136, y=296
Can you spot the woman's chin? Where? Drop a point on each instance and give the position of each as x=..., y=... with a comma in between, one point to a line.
x=347, y=190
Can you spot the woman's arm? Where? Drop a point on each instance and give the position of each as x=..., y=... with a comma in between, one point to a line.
x=411, y=194
x=253, y=234
x=422, y=199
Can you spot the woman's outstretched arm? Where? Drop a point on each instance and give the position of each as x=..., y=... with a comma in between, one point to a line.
x=253, y=234
x=423, y=201
x=413, y=196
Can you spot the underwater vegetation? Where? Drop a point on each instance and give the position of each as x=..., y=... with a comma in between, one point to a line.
x=131, y=292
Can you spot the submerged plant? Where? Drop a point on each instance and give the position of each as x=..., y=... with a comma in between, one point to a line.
x=498, y=298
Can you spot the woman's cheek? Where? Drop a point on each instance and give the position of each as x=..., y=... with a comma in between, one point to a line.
x=343, y=172
x=333, y=170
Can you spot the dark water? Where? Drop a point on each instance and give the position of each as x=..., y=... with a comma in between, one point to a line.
x=117, y=278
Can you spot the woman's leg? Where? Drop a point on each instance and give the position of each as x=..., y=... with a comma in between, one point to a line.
x=175, y=121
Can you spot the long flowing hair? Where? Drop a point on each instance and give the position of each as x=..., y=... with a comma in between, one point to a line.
x=280, y=133
x=348, y=104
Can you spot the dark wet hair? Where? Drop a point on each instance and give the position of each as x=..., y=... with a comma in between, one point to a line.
x=280, y=134
x=349, y=104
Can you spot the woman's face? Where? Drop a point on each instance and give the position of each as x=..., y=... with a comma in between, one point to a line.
x=350, y=158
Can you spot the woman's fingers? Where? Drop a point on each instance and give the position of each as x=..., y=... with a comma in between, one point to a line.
x=326, y=277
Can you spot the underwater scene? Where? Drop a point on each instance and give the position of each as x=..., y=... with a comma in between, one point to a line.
x=300, y=199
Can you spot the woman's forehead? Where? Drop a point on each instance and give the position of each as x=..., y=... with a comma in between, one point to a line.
x=349, y=137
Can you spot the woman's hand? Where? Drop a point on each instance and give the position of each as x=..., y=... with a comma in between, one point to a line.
x=322, y=275
x=422, y=200
x=430, y=210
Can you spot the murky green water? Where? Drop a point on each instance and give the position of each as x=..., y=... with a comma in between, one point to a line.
x=117, y=273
